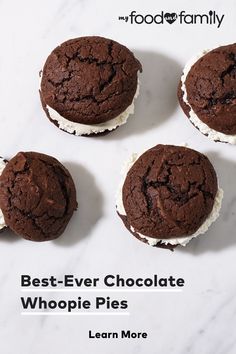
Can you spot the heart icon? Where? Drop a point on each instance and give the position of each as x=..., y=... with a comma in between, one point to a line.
x=170, y=18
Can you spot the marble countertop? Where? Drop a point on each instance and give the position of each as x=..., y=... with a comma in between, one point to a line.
x=200, y=319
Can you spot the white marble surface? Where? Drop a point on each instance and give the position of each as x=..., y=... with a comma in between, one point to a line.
x=202, y=318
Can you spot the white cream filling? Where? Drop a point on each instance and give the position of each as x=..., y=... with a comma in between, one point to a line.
x=2, y=221
x=173, y=241
x=84, y=129
x=204, y=128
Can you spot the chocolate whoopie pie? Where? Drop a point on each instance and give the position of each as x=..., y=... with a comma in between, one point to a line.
x=207, y=93
x=37, y=196
x=169, y=195
x=88, y=85
x=3, y=225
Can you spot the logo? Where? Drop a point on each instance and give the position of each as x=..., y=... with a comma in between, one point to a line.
x=170, y=18
x=182, y=18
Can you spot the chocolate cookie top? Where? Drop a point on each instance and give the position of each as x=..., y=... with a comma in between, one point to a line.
x=169, y=192
x=211, y=89
x=37, y=196
x=89, y=80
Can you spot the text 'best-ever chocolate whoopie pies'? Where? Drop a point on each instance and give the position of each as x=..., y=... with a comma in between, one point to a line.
x=37, y=196
x=207, y=93
x=168, y=195
x=88, y=85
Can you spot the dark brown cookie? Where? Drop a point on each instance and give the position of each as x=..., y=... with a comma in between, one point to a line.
x=37, y=196
x=211, y=89
x=89, y=80
x=169, y=192
x=3, y=226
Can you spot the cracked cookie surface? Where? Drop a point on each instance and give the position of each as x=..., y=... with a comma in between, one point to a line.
x=211, y=89
x=169, y=192
x=89, y=80
x=37, y=196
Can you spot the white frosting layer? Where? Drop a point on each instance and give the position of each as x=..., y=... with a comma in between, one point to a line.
x=173, y=241
x=84, y=129
x=204, y=128
x=2, y=221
